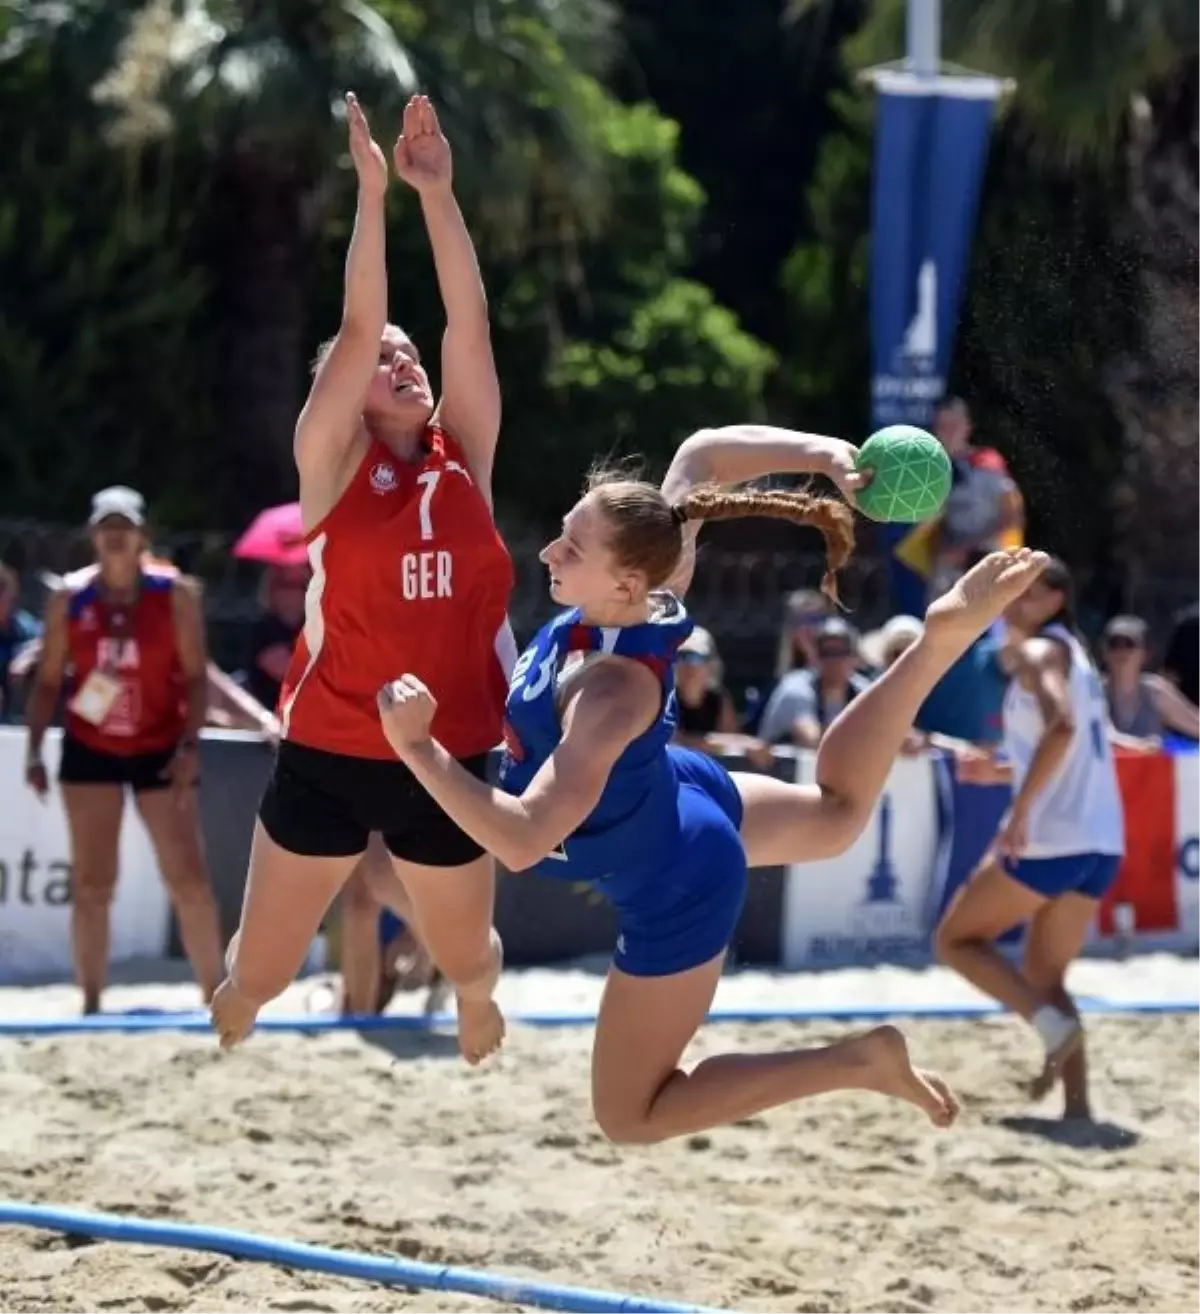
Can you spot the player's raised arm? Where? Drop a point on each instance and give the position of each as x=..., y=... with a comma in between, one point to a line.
x=328, y=430
x=737, y=453
x=470, y=404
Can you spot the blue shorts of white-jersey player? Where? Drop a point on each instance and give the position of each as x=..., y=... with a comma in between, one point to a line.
x=592, y=789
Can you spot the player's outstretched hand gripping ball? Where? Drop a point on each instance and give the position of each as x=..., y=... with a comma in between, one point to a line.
x=911, y=475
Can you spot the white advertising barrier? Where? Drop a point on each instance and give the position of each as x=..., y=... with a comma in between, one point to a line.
x=873, y=901
x=35, y=877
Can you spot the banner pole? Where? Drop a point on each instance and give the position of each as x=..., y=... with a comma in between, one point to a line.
x=923, y=55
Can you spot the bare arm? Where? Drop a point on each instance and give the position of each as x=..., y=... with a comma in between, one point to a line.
x=470, y=403
x=613, y=704
x=193, y=653
x=1042, y=669
x=328, y=432
x=51, y=669
x=1177, y=712
x=738, y=453
x=806, y=731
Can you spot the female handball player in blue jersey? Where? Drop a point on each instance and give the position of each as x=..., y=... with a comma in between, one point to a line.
x=590, y=789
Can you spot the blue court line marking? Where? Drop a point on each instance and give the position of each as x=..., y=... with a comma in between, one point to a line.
x=305, y=1022
x=343, y=1263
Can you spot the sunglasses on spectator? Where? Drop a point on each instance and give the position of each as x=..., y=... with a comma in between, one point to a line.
x=833, y=654
x=803, y=620
x=692, y=658
x=1121, y=643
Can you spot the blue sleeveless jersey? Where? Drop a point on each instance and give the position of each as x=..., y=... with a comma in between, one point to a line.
x=634, y=825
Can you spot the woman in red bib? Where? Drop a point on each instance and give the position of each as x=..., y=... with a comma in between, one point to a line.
x=125, y=640
x=408, y=572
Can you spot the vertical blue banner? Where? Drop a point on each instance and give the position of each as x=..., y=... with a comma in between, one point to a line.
x=931, y=148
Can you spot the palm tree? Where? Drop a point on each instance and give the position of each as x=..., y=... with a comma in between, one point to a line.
x=1109, y=83
x=256, y=85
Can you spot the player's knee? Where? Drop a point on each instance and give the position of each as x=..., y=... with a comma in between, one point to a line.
x=844, y=821
x=472, y=970
x=624, y=1125
x=841, y=819
x=93, y=886
x=945, y=940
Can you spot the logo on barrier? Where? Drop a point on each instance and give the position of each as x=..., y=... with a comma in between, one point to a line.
x=880, y=925
x=28, y=882
x=881, y=885
x=1187, y=859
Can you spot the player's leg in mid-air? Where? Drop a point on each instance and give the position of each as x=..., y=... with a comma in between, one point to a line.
x=654, y=1003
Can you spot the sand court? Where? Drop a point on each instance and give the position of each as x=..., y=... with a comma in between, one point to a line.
x=386, y=1143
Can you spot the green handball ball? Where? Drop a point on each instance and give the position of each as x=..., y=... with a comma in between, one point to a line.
x=911, y=475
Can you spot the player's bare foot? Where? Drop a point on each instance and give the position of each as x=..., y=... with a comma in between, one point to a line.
x=973, y=602
x=1042, y=1084
x=480, y=1029
x=1051, y=1071
x=231, y=953
x=883, y=1053
x=233, y=1015
x=480, y=1022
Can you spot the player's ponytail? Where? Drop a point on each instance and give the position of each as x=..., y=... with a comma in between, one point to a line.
x=833, y=518
x=648, y=532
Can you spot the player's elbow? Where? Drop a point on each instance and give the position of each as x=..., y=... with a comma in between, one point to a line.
x=528, y=850
x=1059, y=729
x=694, y=457
x=519, y=858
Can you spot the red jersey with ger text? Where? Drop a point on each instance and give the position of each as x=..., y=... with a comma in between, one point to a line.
x=134, y=643
x=409, y=576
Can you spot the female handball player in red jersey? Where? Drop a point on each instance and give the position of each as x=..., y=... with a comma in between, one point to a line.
x=592, y=789
x=127, y=638
x=409, y=573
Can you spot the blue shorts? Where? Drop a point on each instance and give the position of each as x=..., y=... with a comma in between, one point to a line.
x=694, y=902
x=1089, y=874
x=390, y=927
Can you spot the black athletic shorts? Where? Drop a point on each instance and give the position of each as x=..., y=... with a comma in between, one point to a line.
x=81, y=765
x=325, y=805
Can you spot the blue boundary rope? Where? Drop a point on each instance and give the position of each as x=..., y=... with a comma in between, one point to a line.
x=147, y=1020
x=368, y=1268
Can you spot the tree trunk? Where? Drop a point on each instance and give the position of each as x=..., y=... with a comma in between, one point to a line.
x=261, y=330
x=1156, y=393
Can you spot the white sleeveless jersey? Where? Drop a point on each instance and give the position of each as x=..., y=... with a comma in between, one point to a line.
x=1079, y=810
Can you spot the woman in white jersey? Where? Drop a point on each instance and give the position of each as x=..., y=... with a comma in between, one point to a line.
x=1061, y=842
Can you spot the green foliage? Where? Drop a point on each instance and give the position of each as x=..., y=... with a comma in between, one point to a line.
x=173, y=228
x=99, y=374
x=824, y=373
x=639, y=356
